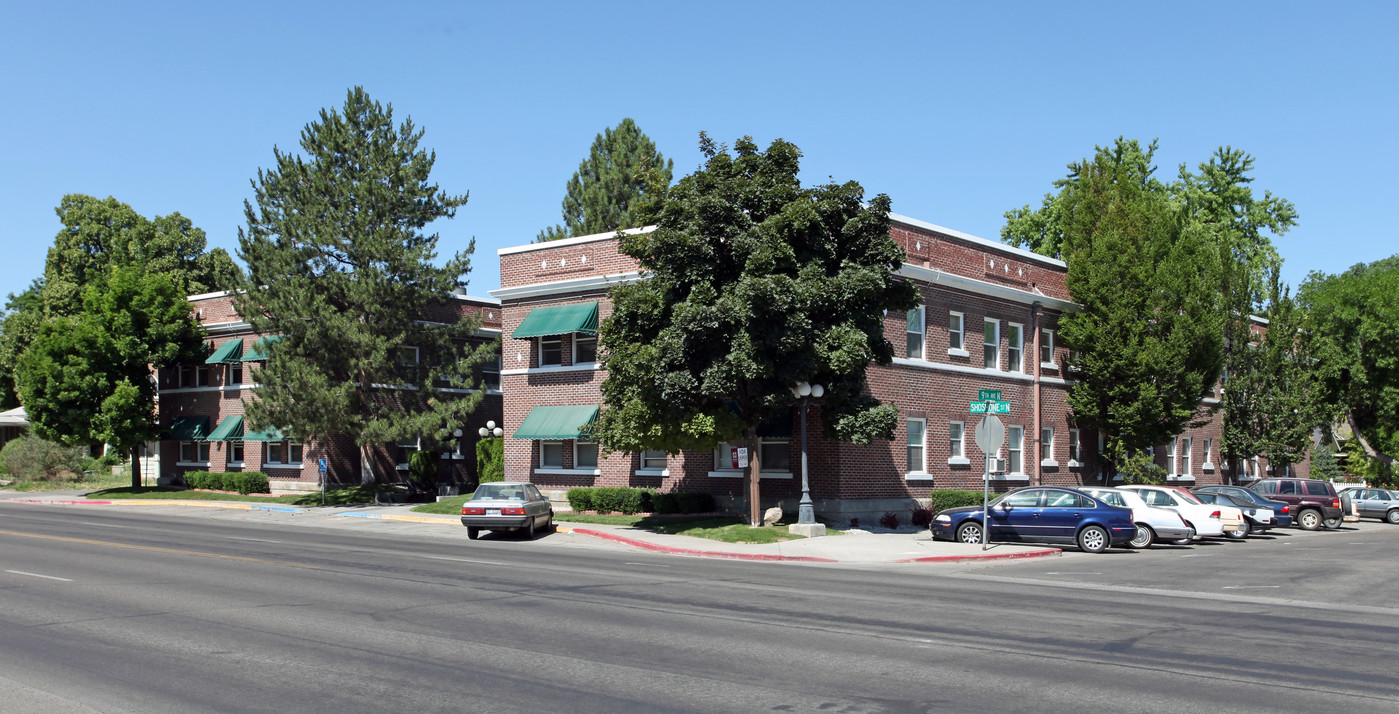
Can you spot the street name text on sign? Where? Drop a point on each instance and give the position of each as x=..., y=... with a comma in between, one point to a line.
x=996, y=407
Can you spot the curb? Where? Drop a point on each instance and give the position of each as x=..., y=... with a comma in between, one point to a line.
x=1043, y=552
x=392, y=517
x=699, y=553
x=229, y=505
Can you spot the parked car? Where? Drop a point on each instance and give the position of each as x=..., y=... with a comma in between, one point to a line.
x=1041, y=514
x=1152, y=523
x=1282, y=511
x=1378, y=503
x=1256, y=518
x=1314, y=502
x=1208, y=520
x=507, y=506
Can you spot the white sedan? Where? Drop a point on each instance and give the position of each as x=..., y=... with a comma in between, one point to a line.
x=1208, y=520
x=1153, y=523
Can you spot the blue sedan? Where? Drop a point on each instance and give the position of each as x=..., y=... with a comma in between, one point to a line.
x=1041, y=514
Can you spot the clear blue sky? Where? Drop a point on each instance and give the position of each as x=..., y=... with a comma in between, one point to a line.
x=958, y=111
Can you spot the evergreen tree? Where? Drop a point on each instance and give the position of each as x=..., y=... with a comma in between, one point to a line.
x=755, y=284
x=1324, y=465
x=619, y=185
x=340, y=267
x=1148, y=335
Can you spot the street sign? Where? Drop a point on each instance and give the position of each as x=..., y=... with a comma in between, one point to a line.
x=321, y=464
x=990, y=435
x=988, y=395
x=996, y=407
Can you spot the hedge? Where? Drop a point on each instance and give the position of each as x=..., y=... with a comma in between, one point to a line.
x=241, y=481
x=490, y=460
x=637, y=500
x=945, y=498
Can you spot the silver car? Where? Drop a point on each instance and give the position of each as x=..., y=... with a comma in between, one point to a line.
x=1374, y=503
x=507, y=506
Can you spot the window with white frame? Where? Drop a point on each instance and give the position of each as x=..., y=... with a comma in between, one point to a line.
x=1015, y=336
x=915, y=330
x=991, y=344
x=1047, y=347
x=916, y=446
x=955, y=330
x=584, y=348
x=233, y=373
x=956, y=441
x=653, y=459
x=1183, y=456
x=584, y=454
x=550, y=351
x=1075, y=451
x=1047, y=446
x=1207, y=464
x=235, y=452
x=774, y=455
x=1171, y=455
x=287, y=453
x=406, y=447
x=551, y=454
x=407, y=355
x=490, y=372
x=1015, y=438
x=193, y=452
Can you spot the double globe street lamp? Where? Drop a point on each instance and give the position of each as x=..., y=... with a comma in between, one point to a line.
x=806, y=514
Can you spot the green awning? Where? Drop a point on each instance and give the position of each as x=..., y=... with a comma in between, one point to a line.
x=271, y=433
x=230, y=429
x=191, y=428
x=228, y=352
x=558, y=320
x=556, y=422
x=258, y=352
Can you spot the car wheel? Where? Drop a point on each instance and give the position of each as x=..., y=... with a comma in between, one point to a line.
x=472, y=532
x=1144, y=537
x=1093, y=539
x=1309, y=519
x=1333, y=523
x=529, y=530
x=1392, y=516
x=969, y=533
x=1239, y=533
x=552, y=527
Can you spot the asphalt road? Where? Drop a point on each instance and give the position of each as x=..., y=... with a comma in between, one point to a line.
x=108, y=610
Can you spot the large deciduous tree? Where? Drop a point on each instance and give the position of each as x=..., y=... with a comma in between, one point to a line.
x=620, y=185
x=86, y=378
x=753, y=284
x=1148, y=335
x=341, y=267
x=1351, y=327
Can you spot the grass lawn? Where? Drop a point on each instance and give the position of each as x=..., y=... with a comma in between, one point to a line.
x=333, y=497
x=727, y=529
x=451, y=506
x=100, y=480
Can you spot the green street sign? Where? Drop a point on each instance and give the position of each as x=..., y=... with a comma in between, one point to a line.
x=996, y=407
x=989, y=395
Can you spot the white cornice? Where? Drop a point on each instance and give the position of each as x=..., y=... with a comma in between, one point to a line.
x=609, y=235
x=592, y=282
x=223, y=328
x=983, y=287
x=995, y=245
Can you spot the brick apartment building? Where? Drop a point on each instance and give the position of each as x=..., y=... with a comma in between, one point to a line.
x=988, y=320
x=201, y=407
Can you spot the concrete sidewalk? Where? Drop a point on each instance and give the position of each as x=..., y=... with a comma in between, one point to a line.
x=852, y=546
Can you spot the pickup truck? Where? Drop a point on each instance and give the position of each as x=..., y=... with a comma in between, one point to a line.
x=1314, y=502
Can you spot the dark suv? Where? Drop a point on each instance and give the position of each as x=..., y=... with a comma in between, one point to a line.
x=1314, y=502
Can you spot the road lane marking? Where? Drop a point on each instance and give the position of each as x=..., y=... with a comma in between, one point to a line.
x=648, y=565
x=1058, y=572
x=155, y=549
x=1249, y=587
x=102, y=525
x=255, y=540
x=36, y=575
x=461, y=560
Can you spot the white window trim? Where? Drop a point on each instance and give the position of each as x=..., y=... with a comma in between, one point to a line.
x=1183, y=456
x=1021, y=472
x=1208, y=465
x=1050, y=462
x=550, y=338
x=740, y=472
x=403, y=349
x=997, y=346
x=1075, y=437
x=960, y=458
x=286, y=443
x=962, y=334
x=568, y=472
x=539, y=451
x=1019, y=346
x=923, y=470
x=1050, y=364
x=580, y=442
x=417, y=446
x=1171, y=458
x=922, y=332
x=574, y=349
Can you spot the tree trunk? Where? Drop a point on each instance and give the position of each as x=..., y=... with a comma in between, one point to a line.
x=755, y=501
x=1365, y=445
x=136, y=466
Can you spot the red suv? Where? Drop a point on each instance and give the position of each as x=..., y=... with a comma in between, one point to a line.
x=1314, y=502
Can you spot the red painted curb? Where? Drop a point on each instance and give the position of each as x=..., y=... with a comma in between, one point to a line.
x=701, y=553
x=988, y=556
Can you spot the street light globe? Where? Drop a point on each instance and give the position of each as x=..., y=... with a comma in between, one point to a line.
x=497, y=431
x=817, y=390
x=803, y=389
x=490, y=425
x=482, y=431
x=457, y=433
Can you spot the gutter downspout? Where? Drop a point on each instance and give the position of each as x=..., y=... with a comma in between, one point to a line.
x=1035, y=360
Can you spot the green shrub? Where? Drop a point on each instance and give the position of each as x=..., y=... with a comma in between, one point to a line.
x=1324, y=465
x=580, y=499
x=1141, y=468
x=244, y=482
x=30, y=458
x=692, y=502
x=490, y=460
x=252, y=482
x=665, y=502
x=945, y=498
x=422, y=467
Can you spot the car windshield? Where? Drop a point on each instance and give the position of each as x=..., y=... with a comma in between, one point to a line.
x=498, y=492
x=1187, y=496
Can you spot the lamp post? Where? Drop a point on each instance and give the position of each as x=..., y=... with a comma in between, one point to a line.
x=806, y=514
x=490, y=429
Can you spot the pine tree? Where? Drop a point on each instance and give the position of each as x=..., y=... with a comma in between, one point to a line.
x=619, y=185
x=340, y=267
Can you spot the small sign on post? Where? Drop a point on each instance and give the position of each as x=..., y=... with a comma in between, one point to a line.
x=321, y=464
x=988, y=395
x=742, y=457
x=994, y=407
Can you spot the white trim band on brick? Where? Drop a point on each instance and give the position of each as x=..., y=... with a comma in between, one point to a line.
x=959, y=369
x=221, y=328
x=588, y=367
x=982, y=287
x=741, y=473
x=570, y=472
x=592, y=282
x=576, y=240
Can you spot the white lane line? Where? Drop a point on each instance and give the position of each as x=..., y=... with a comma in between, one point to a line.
x=462, y=560
x=36, y=575
x=1249, y=587
x=103, y=525
x=1198, y=555
x=255, y=540
x=1057, y=572
x=647, y=565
